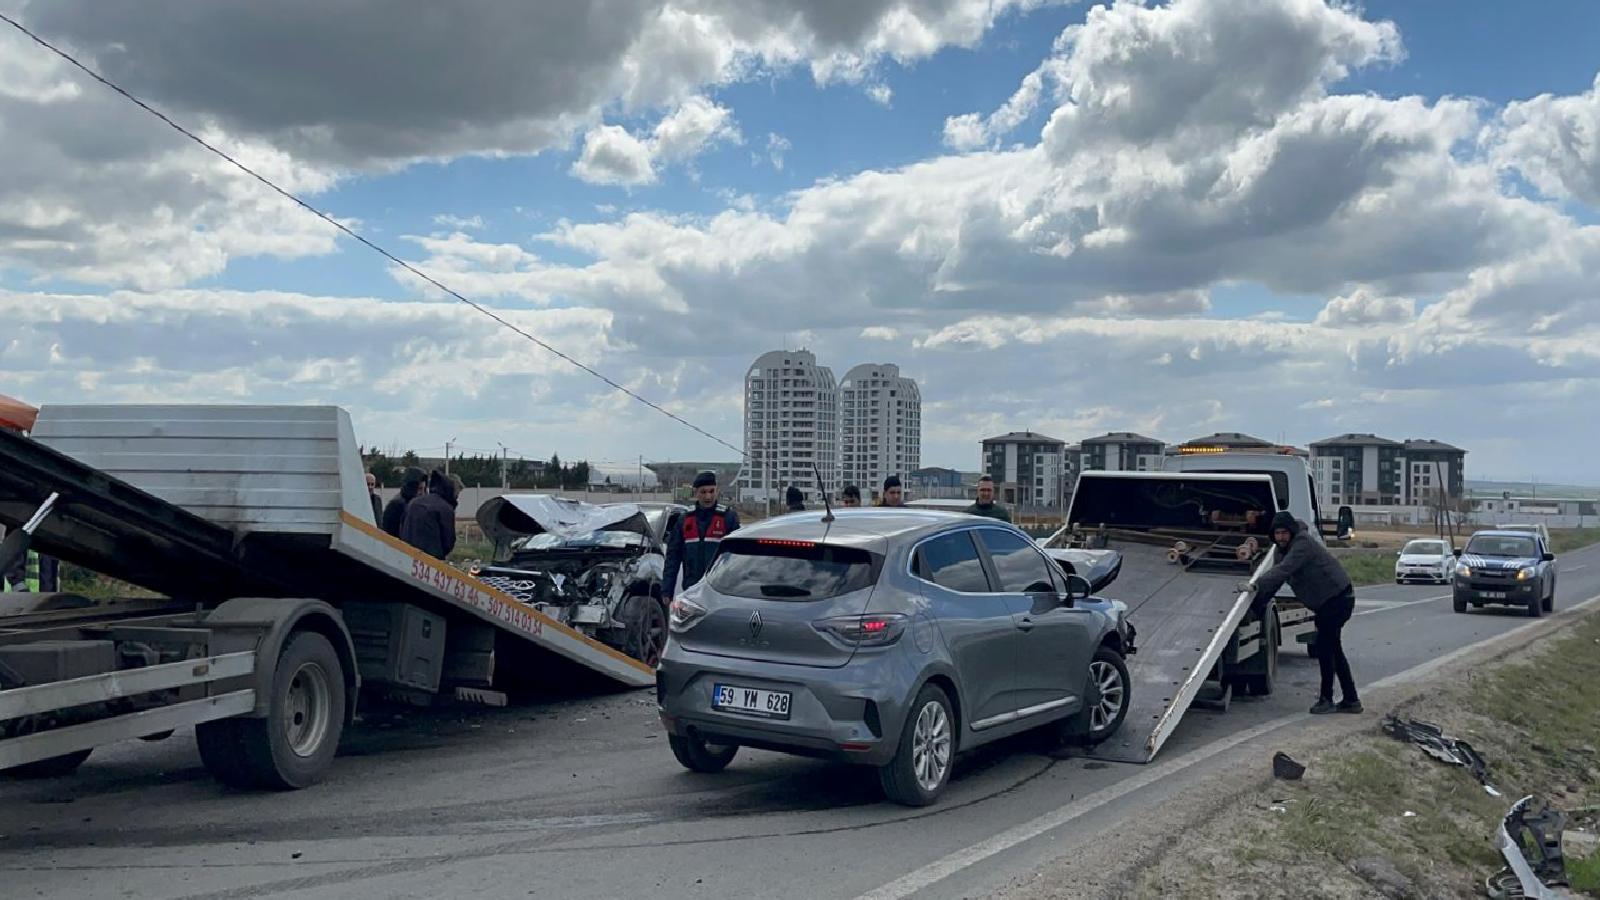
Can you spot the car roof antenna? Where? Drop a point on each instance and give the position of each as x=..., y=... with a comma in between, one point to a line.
x=827, y=516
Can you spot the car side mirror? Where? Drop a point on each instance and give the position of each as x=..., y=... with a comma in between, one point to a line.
x=1549, y=557
x=1078, y=588
x=1456, y=552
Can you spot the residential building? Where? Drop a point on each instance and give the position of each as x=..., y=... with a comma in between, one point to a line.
x=1367, y=470
x=1029, y=469
x=1121, y=451
x=880, y=414
x=933, y=477
x=1431, y=471
x=1356, y=469
x=1224, y=441
x=791, y=426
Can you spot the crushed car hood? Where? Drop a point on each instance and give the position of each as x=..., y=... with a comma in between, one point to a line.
x=506, y=518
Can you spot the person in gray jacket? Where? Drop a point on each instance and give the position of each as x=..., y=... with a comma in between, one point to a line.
x=1322, y=585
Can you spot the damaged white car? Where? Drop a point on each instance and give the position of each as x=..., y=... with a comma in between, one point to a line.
x=596, y=568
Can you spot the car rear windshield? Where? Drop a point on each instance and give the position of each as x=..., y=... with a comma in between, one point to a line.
x=791, y=570
x=1424, y=548
x=1501, y=545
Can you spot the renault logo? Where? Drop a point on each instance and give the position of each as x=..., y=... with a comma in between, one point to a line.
x=755, y=626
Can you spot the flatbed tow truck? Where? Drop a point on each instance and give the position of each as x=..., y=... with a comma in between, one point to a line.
x=279, y=597
x=1188, y=541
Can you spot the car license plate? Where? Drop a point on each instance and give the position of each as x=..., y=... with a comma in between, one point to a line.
x=750, y=701
x=1494, y=595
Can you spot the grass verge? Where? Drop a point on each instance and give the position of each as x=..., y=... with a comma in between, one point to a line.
x=1366, y=568
x=1565, y=540
x=1376, y=817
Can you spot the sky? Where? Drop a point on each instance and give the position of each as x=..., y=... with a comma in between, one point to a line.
x=1291, y=218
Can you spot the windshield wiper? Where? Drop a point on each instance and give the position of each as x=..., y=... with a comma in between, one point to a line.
x=783, y=590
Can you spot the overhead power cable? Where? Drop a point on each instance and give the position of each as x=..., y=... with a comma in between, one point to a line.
x=359, y=238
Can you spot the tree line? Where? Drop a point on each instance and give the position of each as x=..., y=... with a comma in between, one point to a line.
x=484, y=470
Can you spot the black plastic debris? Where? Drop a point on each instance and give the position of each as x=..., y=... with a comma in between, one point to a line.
x=1284, y=767
x=1446, y=749
x=1532, y=822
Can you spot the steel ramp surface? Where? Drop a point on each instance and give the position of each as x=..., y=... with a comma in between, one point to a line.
x=1184, y=620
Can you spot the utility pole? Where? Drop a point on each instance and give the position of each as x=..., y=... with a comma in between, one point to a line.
x=447, y=445
x=505, y=481
x=638, y=492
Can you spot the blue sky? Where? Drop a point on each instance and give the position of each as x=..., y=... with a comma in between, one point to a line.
x=673, y=189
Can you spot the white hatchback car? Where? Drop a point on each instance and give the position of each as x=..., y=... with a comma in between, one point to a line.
x=1428, y=560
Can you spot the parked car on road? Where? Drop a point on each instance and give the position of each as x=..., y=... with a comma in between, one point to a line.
x=1429, y=560
x=889, y=638
x=1511, y=568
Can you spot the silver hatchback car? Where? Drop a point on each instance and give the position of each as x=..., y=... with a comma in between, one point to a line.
x=893, y=638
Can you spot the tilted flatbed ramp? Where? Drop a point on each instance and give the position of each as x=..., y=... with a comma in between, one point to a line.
x=206, y=503
x=1185, y=618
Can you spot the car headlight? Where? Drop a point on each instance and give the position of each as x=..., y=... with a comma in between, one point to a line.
x=1526, y=574
x=1463, y=571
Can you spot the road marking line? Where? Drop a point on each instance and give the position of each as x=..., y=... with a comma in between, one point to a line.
x=916, y=880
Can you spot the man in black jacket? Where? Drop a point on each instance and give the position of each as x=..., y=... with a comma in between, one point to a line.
x=1321, y=584
x=986, y=506
x=430, y=524
x=394, y=514
x=794, y=499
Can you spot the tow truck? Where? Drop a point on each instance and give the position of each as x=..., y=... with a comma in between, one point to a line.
x=274, y=597
x=1188, y=537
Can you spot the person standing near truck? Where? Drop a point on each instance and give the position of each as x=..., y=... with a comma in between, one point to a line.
x=986, y=506
x=694, y=543
x=394, y=514
x=430, y=524
x=1321, y=584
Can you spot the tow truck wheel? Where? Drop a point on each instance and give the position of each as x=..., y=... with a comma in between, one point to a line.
x=294, y=745
x=1260, y=684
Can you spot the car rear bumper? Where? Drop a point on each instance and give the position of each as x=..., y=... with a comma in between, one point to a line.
x=853, y=713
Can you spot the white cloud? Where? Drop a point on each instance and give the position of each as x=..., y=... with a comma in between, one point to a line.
x=1554, y=142
x=1363, y=307
x=613, y=156
x=880, y=94
x=777, y=147
x=459, y=223
x=879, y=333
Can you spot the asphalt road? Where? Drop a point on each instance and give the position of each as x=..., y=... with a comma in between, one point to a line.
x=581, y=798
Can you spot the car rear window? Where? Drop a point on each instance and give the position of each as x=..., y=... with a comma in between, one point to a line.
x=791, y=570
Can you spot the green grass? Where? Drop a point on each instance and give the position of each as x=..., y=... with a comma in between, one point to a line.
x=1565, y=540
x=1584, y=874
x=76, y=579
x=467, y=551
x=1368, y=568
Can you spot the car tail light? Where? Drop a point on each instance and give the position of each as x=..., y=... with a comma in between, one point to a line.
x=873, y=630
x=685, y=613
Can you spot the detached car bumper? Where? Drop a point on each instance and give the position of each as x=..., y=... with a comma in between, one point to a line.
x=853, y=713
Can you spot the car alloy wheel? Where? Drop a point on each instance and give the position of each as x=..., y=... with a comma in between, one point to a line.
x=1111, y=691
x=930, y=746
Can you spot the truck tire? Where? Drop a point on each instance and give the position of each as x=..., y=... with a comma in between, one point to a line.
x=921, y=766
x=647, y=629
x=697, y=755
x=1550, y=598
x=1535, y=607
x=294, y=745
x=54, y=767
x=1458, y=604
x=1106, y=697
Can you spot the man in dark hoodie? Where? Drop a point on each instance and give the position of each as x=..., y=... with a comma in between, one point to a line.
x=394, y=514
x=1322, y=585
x=794, y=500
x=693, y=544
x=430, y=524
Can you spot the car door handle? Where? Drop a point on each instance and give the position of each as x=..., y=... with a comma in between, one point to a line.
x=1026, y=623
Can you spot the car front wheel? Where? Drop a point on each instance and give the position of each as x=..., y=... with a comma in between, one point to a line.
x=921, y=766
x=1105, y=700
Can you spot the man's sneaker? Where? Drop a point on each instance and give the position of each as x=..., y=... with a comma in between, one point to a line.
x=1323, y=707
x=1350, y=706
